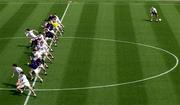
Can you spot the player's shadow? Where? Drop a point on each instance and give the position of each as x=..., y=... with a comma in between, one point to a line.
x=28, y=53
x=9, y=85
x=146, y=20
x=15, y=93
x=13, y=90
x=24, y=46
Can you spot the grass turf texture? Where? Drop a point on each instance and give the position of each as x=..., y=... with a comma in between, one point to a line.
x=81, y=63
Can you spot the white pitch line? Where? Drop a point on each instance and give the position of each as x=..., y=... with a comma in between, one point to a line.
x=124, y=83
x=62, y=18
x=7, y=89
x=117, y=84
x=7, y=38
x=34, y=82
x=27, y=98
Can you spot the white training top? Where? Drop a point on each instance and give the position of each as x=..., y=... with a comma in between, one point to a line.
x=30, y=34
x=24, y=79
x=18, y=70
x=58, y=20
x=37, y=55
x=42, y=39
x=43, y=48
x=153, y=10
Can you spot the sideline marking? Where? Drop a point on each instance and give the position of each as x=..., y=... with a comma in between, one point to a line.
x=34, y=82
x=62, y=18
x=118, y=84
x=161, y=2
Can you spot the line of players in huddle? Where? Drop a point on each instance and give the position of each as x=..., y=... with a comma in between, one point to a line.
x=41, y=44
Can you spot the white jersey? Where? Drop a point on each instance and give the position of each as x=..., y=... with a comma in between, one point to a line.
x=18, y=70
x=23, y=79
x=30, y=34
x=43, y=48
x=58, y=20
x=43, y=39
x=37, y=70
x=153, y=10
x=37, y=55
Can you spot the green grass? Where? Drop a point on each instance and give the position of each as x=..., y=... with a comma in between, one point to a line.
x=86, y=62
x=124, y=31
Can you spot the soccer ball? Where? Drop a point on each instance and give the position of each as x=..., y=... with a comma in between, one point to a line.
x=160, y=19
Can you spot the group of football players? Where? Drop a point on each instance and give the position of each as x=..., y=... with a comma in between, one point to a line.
x=41, y=45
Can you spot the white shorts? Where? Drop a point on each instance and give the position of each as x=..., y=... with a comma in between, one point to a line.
x=48, y=38
x=42, y=66
x=44, y=52
x=27, y=84
x=37, y=70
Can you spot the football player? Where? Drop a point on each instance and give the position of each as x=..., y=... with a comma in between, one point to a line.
x=153, y=14
x=23, y=83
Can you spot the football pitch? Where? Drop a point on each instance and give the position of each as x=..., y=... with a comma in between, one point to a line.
x=110, y=53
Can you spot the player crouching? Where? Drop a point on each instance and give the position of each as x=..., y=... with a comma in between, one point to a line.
x=50, y=36
x=23, y=83
x=35, y=70
x=30, y=33
x=154, y=14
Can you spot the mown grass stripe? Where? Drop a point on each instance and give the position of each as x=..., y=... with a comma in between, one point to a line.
x=5, y=16
x=2, y=6
x=175, y=20
x=58, y=8
x=79, y=61
x=167, y=40
x=177, y=7
x=104, y=59
x=152, y=61
x=10, y=28
x=128, y=61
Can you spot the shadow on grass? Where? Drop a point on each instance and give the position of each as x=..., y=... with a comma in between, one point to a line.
x=146, y=20
x=24, y=46
x=28, y=53
x=9, y=85
x=14, y=91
